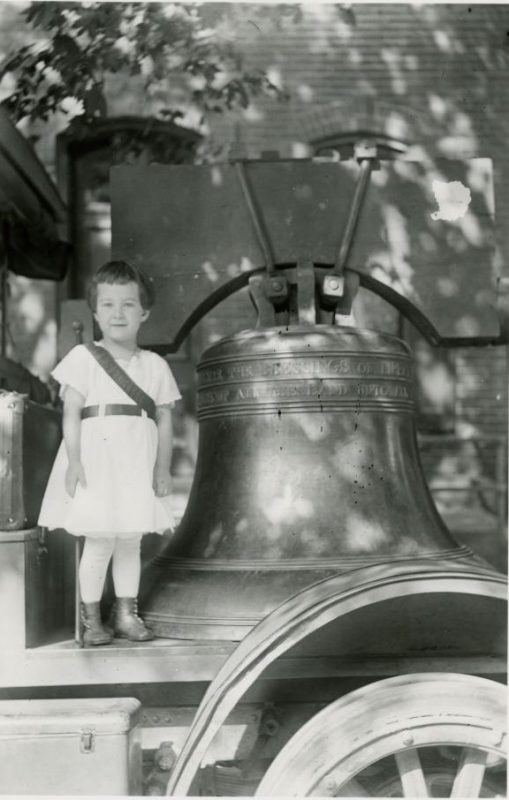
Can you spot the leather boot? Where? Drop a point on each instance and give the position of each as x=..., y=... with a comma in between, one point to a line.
x=94, y=632
x=126, y=622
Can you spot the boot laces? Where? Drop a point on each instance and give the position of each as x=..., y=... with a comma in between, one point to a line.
x=133, y=613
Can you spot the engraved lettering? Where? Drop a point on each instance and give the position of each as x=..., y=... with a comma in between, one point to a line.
x=392, y=391
x=212, y=375
x=364, y=368
x=395, y=369
x=339, y=366
x=314, y=391
x=240, y=371
x=305, y=367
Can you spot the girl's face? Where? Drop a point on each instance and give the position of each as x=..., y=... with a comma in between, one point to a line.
x=119, y=312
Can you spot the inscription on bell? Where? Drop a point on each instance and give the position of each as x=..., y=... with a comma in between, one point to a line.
x=304, y=366
x=316, y=392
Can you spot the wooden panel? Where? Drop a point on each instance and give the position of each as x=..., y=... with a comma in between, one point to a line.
x=190, y=228
x=12, y=590
x=49, y=589
x=42, y=434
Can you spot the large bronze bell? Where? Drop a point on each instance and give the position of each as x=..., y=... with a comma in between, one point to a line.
x=307, y=465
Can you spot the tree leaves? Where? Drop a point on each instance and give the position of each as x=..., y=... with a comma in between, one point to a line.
x=94, y=102
x=91, y=40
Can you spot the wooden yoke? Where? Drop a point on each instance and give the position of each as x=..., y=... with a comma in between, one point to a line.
x=423, y=240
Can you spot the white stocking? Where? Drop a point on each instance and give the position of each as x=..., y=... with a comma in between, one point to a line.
x=126, y=566
x=93, y=566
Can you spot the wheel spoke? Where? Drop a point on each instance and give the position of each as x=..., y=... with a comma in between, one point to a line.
x=470, y=774
x=411, y=774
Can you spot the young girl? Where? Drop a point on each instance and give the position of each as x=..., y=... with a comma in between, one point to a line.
x=110, y=481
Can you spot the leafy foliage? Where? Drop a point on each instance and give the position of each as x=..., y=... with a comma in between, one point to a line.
x=81, y=44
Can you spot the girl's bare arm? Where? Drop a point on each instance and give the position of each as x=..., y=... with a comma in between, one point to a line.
x=73, y=403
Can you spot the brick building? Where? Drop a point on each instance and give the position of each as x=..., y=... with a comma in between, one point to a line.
x=427, y=78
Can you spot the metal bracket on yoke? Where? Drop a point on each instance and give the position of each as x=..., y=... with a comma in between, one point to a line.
x=302, y=305
x=340, y=285
x=306, y=305
x=275, y=285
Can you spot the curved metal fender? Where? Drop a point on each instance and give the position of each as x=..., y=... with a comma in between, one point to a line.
x=305, y=613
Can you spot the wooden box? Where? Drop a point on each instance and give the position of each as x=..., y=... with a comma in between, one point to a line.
x=69, y=747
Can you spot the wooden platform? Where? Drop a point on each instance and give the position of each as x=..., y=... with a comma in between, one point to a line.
x=176, y=660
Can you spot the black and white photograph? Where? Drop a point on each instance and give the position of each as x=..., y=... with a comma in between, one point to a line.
x=254, y=329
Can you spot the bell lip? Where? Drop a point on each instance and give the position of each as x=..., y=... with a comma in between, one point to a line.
x=268, y=333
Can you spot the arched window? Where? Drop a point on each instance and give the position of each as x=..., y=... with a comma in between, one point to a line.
x=342, y=145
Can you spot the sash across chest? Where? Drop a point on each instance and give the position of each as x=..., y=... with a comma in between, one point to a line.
x=145, y=406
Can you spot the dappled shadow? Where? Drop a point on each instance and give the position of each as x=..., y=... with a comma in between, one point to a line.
x=438, y=272
x=428, y=76
x=307, y=450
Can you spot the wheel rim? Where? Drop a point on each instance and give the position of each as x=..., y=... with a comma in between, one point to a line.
x=409, y=736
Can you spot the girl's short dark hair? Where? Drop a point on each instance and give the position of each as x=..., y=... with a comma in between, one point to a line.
x=121, y=272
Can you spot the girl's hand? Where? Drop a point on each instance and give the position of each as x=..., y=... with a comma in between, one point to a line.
x=161, y=482
x=74, y=474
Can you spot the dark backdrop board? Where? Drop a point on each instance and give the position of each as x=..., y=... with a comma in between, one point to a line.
x=190, y=228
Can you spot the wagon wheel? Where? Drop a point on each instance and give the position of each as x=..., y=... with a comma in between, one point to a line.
x=422, y=735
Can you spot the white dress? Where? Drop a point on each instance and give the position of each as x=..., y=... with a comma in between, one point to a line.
x=117, y=452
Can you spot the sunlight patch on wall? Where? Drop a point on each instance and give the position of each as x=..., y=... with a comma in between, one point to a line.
x=210, y=271
x=393, y=60
x=274, y=76
x=232, y=270
x=301, y=150
x=343, y=30
x=246, y=264
x=472, y=231
x=320, y=11
x=411, y=62
x=437, y=385
x=447, y=287
x=458, y=146
x=467, y=326
x=442, y=41
x=437, y=106
x=305, y=92
x=461, y=124
x=216, y=176
x=397, y=126
x=253, y=114
x=354, y=56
